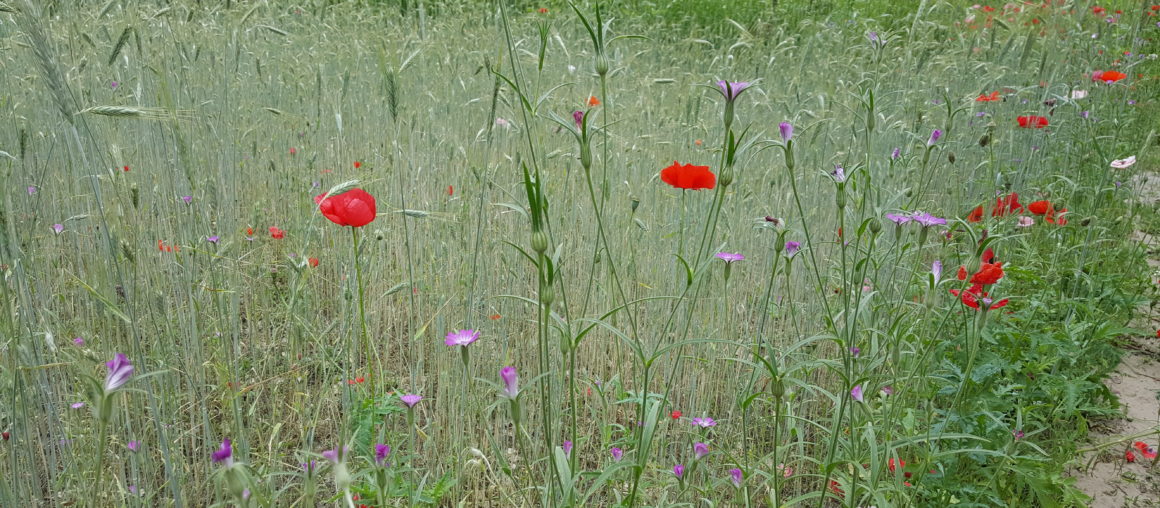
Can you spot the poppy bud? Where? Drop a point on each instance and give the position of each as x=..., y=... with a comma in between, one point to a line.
x=635, y=203
x=951, y=157
x=985, y=140
x=539, y=242
x=1085, y=222
x=134, y=195
x=875, y=225
x=726, y=176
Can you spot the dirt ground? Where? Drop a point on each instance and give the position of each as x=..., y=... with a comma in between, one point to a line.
x=1105, y=474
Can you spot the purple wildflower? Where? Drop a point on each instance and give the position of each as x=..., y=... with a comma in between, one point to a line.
x=730, y=257
x=704, y=423
x=928, y=220
x=732, y=89
x=887, y=390
x=617, y=453
x=1018, y=434
x=113, y=85
x=187, y=199
x=382, y=451
x=567, y=447
x=578, y=116
x=700, y=450
x=224, y=454
x=791, y=248
x=77, y=405
x=786, y=131
x=58, y=228
x=336, y=455
x=896, y=153
x=855, y=351
x=119, y=372
x=856, y=393
x=735, y=476
x=31, y=190
x=212, y=239
x=898, y=218
x=838, y=174
x=934, y=137
x=1084, y=114
x=679, y=470
x=461, y=338
x=411, y=399
x=936, y=270
x=133, y=445
x=511, y=381
x=79, y=341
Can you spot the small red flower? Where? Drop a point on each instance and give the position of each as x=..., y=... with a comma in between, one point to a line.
x=495, y=317
x=249, y=231
x=675, y=415
x=543, y=10
x=1147, y=451
x=450, y=190
x=988, y=98
x=313, y=262
x=357, y=164
x=1108, y=76
x=989, y=273
x=890, y=464
x=688, y=176
x=1039, y=207
x=1057, y=218
x=6, y=435
x=354, y=207
x=276, y=233
x=1006, y=205
x=988, y=255
x=593, y=101
x=1129, y=456
x=988, y=8
x=125, y=169
x=976, y=215
x=962, y=273
x=1097, y=10
x=1032, y=122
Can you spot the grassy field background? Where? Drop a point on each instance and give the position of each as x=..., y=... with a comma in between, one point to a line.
x=166, y=139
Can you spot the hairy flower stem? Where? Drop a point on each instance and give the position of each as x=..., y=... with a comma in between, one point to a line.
x=102, y=438
x=362, y=313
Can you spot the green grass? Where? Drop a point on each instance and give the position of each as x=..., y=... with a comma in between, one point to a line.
x=623, y=316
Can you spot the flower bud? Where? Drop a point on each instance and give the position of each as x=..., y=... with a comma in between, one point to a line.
x=539, y=242
x=840, y=197
x=635, y=201
x=586, y=154
x=951, y=157
x=875, y=225
x=726, y=176
x=547, y=295
x=134, y=195
x=728, y=114
x=777, y=388
x=601, y=64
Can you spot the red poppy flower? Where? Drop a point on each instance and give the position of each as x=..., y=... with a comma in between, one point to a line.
x=313, y=262
x=1097, y=10
x=126, y=169
x=1034, y=122
x=1108, y=76
x=357, y=164
x=988, y=256
x=988, y=98
x=276, y=233
x=989, y=273
x=495, y=317
x=593, y=101
x=6, y=435
x=1039, y=207
x=249, y=231
x=354, y=207
x=988, y=8
x=688, y=176
x=675, y=414
x=450, y=190
x=1148, y=452
x=1129, y=456
x=543, y=10
x=890, y=464
x=1006, y=205
x=976, y=215
x=1057, y=218
x=962, y=273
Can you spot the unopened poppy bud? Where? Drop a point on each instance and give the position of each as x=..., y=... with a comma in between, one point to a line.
x=1085, y=222
x=985, y=140
x=134, y=195
x=128, y=252
x=951, y=157
x=635, y=202
x=539, y=242
x=875, y=225
x=726, y=176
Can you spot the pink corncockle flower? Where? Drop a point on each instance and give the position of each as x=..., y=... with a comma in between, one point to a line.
x=617, y=453
x=679, y=470
x=704, y=423
x=31, y=190
x=700, y=450
x=887, y=390
x=928, y=220
x=77, y=405
x=1124, y=163
x=79, y=341
x=732, y=89
x=382, y=451
x=1025, y=221
x=786, y=471
x=336, y=455
x=936, y=270
x=225, y=454
x=934, y=137
x=187, y=199
x=578, y=117
x=735, y=476
x=730, y=257
x=838, y=174
x=791, y=248
x=855, y=351
x=511, y=380
x=119, y=372
x=461, y=338
x=786, y=130
x=856, y=393
x=411, y=399
x=899, y=219
x=58, y=228
x=567, y=447
x=502, y=122
x=133, y=445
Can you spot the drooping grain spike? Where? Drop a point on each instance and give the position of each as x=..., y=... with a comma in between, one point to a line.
x=121, y=41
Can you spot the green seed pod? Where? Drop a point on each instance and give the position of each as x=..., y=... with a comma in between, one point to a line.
x=951, y=157
x=635, y=201
x=539, y=242
x=777, y=388
x=726, y=177
x=547, y=295
x=875, y=225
